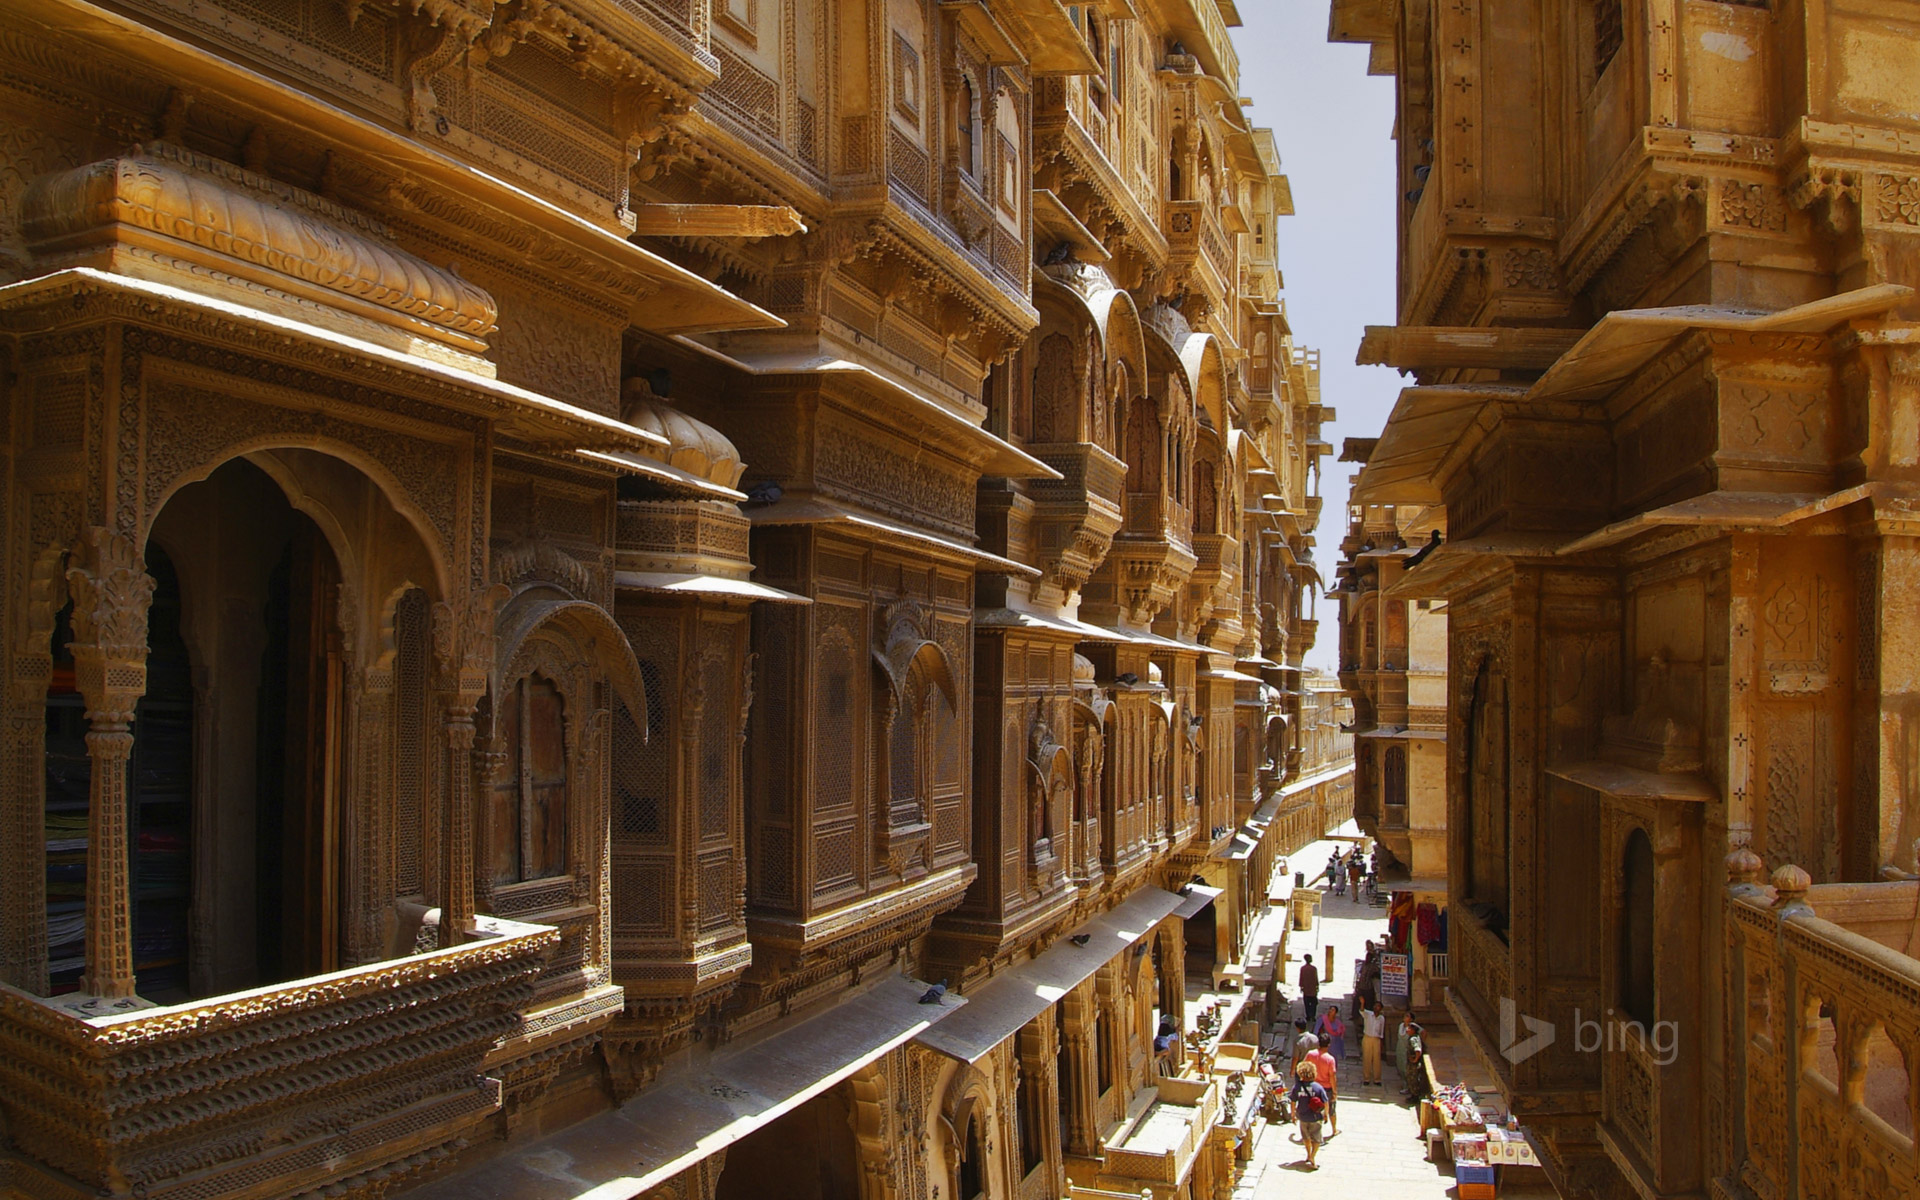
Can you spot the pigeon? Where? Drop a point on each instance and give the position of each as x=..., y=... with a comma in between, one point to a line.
x=1080, y=939
x=766, y=492
x=933, y=994
x=1061, y=253
x=1129, y=679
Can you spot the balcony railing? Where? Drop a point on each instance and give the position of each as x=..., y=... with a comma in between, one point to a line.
x=272, y=1092
x=1825, y=1028
x=1167, y=1161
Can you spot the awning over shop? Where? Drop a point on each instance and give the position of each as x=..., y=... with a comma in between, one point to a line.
x=997, y=1009
x=1725, y=510
x=1626, y=339
x=1453, y=562
x=674, y=583
x=550, y=424
x=1198, y=896
x=704, y=1103
x=1263, y=815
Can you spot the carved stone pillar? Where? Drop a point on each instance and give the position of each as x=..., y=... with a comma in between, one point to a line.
x=111, y=594
x=1889, y=674
x=457, y=906
x=370, y=876
x=489, y=763
x=1080, y=1082
x=463, y=649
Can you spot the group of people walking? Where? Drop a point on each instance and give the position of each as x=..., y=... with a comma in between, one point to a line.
x=1349, y=870
x=1318, y=1053
x=1319, y=1047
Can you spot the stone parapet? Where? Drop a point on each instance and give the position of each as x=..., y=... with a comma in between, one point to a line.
x=373, y=1070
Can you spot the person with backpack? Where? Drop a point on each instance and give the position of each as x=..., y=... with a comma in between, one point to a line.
x=1309, y=1109
x=1326, y=1072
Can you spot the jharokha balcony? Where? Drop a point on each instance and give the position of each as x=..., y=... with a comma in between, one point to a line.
x=372, y=1073
x=1076, y=516
x=1824, y=1036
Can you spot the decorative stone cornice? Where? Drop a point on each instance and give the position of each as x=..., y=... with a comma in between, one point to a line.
x=167, y=214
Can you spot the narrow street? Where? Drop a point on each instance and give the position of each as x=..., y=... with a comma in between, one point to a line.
x=1378, y=1151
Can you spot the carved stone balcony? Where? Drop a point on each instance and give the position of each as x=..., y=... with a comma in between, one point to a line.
x=1075, y=517
x=1150, y=561
x=1198, y=250
x=1210, y=589
x=1823, y=1024
x=1162, y=1137
x=371, y=1072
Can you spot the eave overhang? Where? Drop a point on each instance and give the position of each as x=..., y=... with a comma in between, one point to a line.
x=1626, y=340
x=675, y=300
x=1426, y=422
x=530, y=417
x=983, y=449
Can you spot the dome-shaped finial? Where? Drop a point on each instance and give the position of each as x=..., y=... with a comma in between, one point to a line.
x=1744, y=866
x=1790, y=885
x=692, y=445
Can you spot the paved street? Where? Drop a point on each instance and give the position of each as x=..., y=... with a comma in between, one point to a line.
x=1377, y=1152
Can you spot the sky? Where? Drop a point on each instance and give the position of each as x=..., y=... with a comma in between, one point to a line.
x=1333, y=124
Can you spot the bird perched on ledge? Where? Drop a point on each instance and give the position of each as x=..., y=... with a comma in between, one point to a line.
x=933, y=994
x=1080, y=939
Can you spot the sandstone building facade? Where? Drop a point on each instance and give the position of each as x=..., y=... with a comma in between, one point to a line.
x=568, y=561
x=1656, y=273
x=1393, y=662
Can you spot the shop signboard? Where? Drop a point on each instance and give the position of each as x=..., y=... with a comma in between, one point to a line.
x=1394, y=977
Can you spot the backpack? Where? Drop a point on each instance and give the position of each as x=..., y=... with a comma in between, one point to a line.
x=1313, y=1103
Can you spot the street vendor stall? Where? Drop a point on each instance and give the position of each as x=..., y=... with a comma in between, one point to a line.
x=1486, y=1148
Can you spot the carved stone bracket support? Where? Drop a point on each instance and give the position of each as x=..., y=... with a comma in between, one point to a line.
x=111, y=594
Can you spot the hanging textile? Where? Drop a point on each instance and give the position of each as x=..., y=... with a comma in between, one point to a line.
x=1427, y=924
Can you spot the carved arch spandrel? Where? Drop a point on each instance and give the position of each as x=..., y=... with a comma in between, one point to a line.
x=258, y=449
x=198, y=418
x=599, y=640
